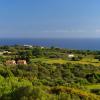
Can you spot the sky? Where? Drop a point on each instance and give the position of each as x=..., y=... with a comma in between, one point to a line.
x=49, y=18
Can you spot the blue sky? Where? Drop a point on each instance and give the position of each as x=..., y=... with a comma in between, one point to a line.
x=50, y=18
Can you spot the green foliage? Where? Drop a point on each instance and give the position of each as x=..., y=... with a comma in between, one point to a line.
x=37, y=52
x=49, y=75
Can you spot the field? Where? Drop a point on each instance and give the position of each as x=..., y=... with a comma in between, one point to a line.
x=90, y=61
x=93, y=86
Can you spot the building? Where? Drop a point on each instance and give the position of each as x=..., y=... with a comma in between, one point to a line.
x=28, y=46
x=6, y=52
x=42, y=47
x=71, y=56
x=21, y=62
x=10, y=62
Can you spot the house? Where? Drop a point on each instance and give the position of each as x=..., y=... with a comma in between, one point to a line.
x=42, y=47
x=6, y=52
x=10, y=62
x=71, y=55
x=21, y=62
x=28, y=46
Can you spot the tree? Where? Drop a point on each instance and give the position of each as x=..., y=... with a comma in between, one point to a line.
x=37, y=52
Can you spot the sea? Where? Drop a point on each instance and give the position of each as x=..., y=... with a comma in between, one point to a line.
x=69, y=43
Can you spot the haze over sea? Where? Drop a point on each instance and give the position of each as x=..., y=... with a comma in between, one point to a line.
x=85, y=44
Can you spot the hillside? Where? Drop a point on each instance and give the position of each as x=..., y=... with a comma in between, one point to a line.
x=49, y=73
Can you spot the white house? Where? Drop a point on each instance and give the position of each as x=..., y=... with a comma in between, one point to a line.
x=71, y=55
x=28, y=46
x=42, y=47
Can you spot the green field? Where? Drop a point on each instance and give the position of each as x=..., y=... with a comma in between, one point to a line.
x=91, y=61
x=94, y=86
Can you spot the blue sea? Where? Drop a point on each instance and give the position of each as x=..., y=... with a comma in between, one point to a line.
x=84, y=44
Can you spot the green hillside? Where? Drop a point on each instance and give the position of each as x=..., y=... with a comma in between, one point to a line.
x=49, y=74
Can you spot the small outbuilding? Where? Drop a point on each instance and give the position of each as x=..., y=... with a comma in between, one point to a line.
x=71, y=55
x=10, y=62
x=21, y=62
x=28, y=46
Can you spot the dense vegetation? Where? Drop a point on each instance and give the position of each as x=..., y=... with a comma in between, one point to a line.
x=49, y=74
